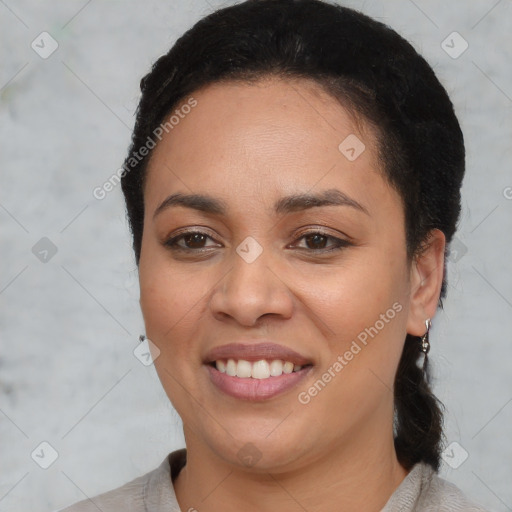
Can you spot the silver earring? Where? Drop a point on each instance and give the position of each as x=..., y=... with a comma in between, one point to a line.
x=142, y=338
x=425, y=344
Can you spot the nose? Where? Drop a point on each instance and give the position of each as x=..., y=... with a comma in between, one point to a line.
x=251, y=290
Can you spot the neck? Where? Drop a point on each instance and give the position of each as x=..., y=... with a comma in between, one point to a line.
x=359, y=475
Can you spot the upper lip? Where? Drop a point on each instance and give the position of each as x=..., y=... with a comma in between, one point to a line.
x=255, y=352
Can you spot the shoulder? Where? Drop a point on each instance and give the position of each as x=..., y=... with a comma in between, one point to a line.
x=423, y=490
x=448, y=497
x=151, y=491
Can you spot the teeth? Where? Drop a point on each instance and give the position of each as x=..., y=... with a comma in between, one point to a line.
x=243, y=368
x=258, y=370
x=221, y=366
x=276, y=368
x=231, y=368
x=288, y=367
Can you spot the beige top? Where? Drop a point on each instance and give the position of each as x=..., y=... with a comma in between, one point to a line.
x=422, y=490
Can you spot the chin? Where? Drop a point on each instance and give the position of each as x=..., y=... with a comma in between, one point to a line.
x=260, y=452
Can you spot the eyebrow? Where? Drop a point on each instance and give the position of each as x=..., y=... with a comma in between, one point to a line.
x=287, y=204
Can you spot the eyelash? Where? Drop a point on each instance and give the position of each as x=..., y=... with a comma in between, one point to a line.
x=172, y=243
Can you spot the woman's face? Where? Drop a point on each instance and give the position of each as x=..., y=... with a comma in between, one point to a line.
x=301, y=247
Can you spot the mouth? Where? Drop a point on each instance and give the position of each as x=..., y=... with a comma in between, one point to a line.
x=256, y=372
x=261, y=369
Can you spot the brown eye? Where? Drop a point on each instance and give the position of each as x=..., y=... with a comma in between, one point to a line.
x=195, y=240
x=316, y=241
x=191, y=241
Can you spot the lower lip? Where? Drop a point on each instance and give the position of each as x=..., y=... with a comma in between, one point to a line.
x=256, y=389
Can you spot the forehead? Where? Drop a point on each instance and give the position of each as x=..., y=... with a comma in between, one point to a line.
x=266, y=138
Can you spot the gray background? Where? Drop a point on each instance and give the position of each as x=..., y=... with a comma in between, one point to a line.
x=68, y=375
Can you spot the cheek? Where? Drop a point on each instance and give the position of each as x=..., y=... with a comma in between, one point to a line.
x=363, y=312
x=351, y=297
x=170, y=302
x=171, y=305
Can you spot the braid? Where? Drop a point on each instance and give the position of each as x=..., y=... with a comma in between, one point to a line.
x=418, y=413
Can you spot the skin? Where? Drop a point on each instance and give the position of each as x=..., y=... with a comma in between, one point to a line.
x=249, y=145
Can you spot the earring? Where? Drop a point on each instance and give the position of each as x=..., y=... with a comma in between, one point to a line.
x=425, y=344
x=142, y=338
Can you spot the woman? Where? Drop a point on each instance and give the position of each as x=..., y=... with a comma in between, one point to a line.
x=292, y=187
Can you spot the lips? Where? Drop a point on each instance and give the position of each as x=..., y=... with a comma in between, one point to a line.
x=256, y=352
x=264, y=386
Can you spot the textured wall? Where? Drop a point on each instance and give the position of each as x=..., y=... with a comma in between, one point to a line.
x=70, y=320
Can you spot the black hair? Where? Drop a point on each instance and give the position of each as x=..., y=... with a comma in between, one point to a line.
x=366, y=66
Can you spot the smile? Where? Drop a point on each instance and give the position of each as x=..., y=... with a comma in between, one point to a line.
x=255, y=370
x=261, y=369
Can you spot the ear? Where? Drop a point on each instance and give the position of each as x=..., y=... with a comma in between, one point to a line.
x=426, y=280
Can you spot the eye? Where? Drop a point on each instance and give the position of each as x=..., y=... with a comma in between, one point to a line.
x=192, y=241
x=316, y=241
